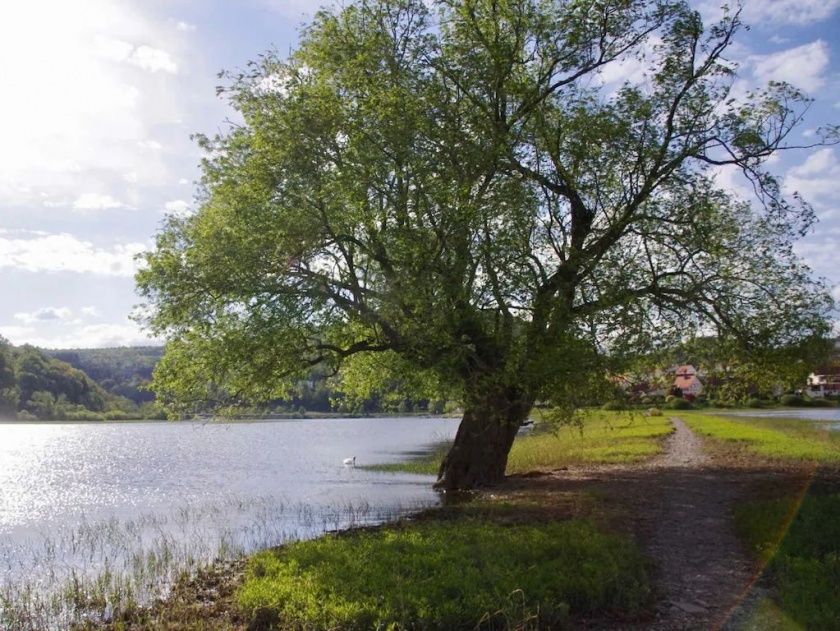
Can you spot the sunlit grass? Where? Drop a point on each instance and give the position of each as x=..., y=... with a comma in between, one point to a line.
x=778, y=438
x=599, y=437
x=455, y=573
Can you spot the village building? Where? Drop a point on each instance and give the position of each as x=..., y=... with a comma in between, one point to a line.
x=687, y=380
x=825, y=380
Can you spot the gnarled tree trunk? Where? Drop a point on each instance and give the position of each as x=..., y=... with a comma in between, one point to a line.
x=479, y=455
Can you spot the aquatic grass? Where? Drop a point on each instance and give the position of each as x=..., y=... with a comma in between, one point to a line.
x=779, y=439
x=103, y=571
x=447, y=574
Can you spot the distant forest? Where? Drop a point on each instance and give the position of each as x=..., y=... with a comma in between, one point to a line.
x=124, y=372
x=35, y=385
x=113, y=383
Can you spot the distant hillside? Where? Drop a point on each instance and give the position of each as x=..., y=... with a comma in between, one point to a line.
x=122, y=371
x=34, y=385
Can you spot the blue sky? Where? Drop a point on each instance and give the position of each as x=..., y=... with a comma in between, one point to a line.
x=100, y=98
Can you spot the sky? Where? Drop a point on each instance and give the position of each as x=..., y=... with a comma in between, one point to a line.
x=101, y=97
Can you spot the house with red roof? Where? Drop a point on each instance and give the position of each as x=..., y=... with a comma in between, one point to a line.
x=686, y=379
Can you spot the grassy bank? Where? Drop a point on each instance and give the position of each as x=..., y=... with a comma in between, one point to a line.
x=601, y=437
x=458, y=572
x=798, y=539
x=793, y=441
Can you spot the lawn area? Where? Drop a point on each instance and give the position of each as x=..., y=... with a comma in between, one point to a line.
x=799, y=541
x=600, y=438
x=778, y=439
x=462, y=572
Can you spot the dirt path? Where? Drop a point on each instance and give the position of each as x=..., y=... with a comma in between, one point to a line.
x=679, y=508
x=703, y=570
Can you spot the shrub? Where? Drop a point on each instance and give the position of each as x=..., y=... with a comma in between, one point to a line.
x=654, y=412
x=679, y=404
x=25, y=415
x=614, y=406
x=792, y=400
x=755, y=403
x=820, y=403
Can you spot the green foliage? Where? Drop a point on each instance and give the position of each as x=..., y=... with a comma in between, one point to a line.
x=9, y=393
x=677, y=403
x=793, y=400
x=799, y=542
x=123, y=371
x=34, y=385
x=773, y=439
x=448, y=575
x=446, y=184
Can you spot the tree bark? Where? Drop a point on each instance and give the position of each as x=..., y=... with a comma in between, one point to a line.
x=479, y=455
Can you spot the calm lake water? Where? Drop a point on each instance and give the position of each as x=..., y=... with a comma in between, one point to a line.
x=827, y=418
x=85, y=494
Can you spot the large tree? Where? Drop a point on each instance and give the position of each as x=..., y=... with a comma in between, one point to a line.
x=459, y=188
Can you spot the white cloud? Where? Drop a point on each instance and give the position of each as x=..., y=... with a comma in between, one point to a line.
x=91, y=312
x=177, y=206
x=185, y=27
x=817, y=177
x=79, y=336
x=756, y=12
x=95, y=201
x=44, y=314
x=153, y=60
x=66, y=253
x=803, y=66
x=84, y=83
x=789, y=11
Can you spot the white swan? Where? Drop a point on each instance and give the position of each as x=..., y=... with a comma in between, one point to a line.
x=350, y=461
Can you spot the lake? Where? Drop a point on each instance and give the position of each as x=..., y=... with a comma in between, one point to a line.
x=111, y=496
x=826, y=418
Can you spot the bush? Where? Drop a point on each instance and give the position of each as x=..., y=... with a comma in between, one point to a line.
x=120, y=415
x=793, y=400
x=654, y=412
x=25, y=415
x=679, y=404
x=614, y=406
x=755, y=403
x=820, y=403
x=82, y=415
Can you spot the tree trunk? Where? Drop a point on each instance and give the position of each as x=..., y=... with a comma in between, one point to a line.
x=479, y=455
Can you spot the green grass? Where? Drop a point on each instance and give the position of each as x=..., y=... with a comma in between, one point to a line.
x=601, y=438
x=800, y=544
x=447, y=574
x=778, y=439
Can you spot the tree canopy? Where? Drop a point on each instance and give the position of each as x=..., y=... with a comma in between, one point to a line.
x=457, y=188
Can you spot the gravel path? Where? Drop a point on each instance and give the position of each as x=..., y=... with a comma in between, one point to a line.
x=679, y=507
x=683, y=449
